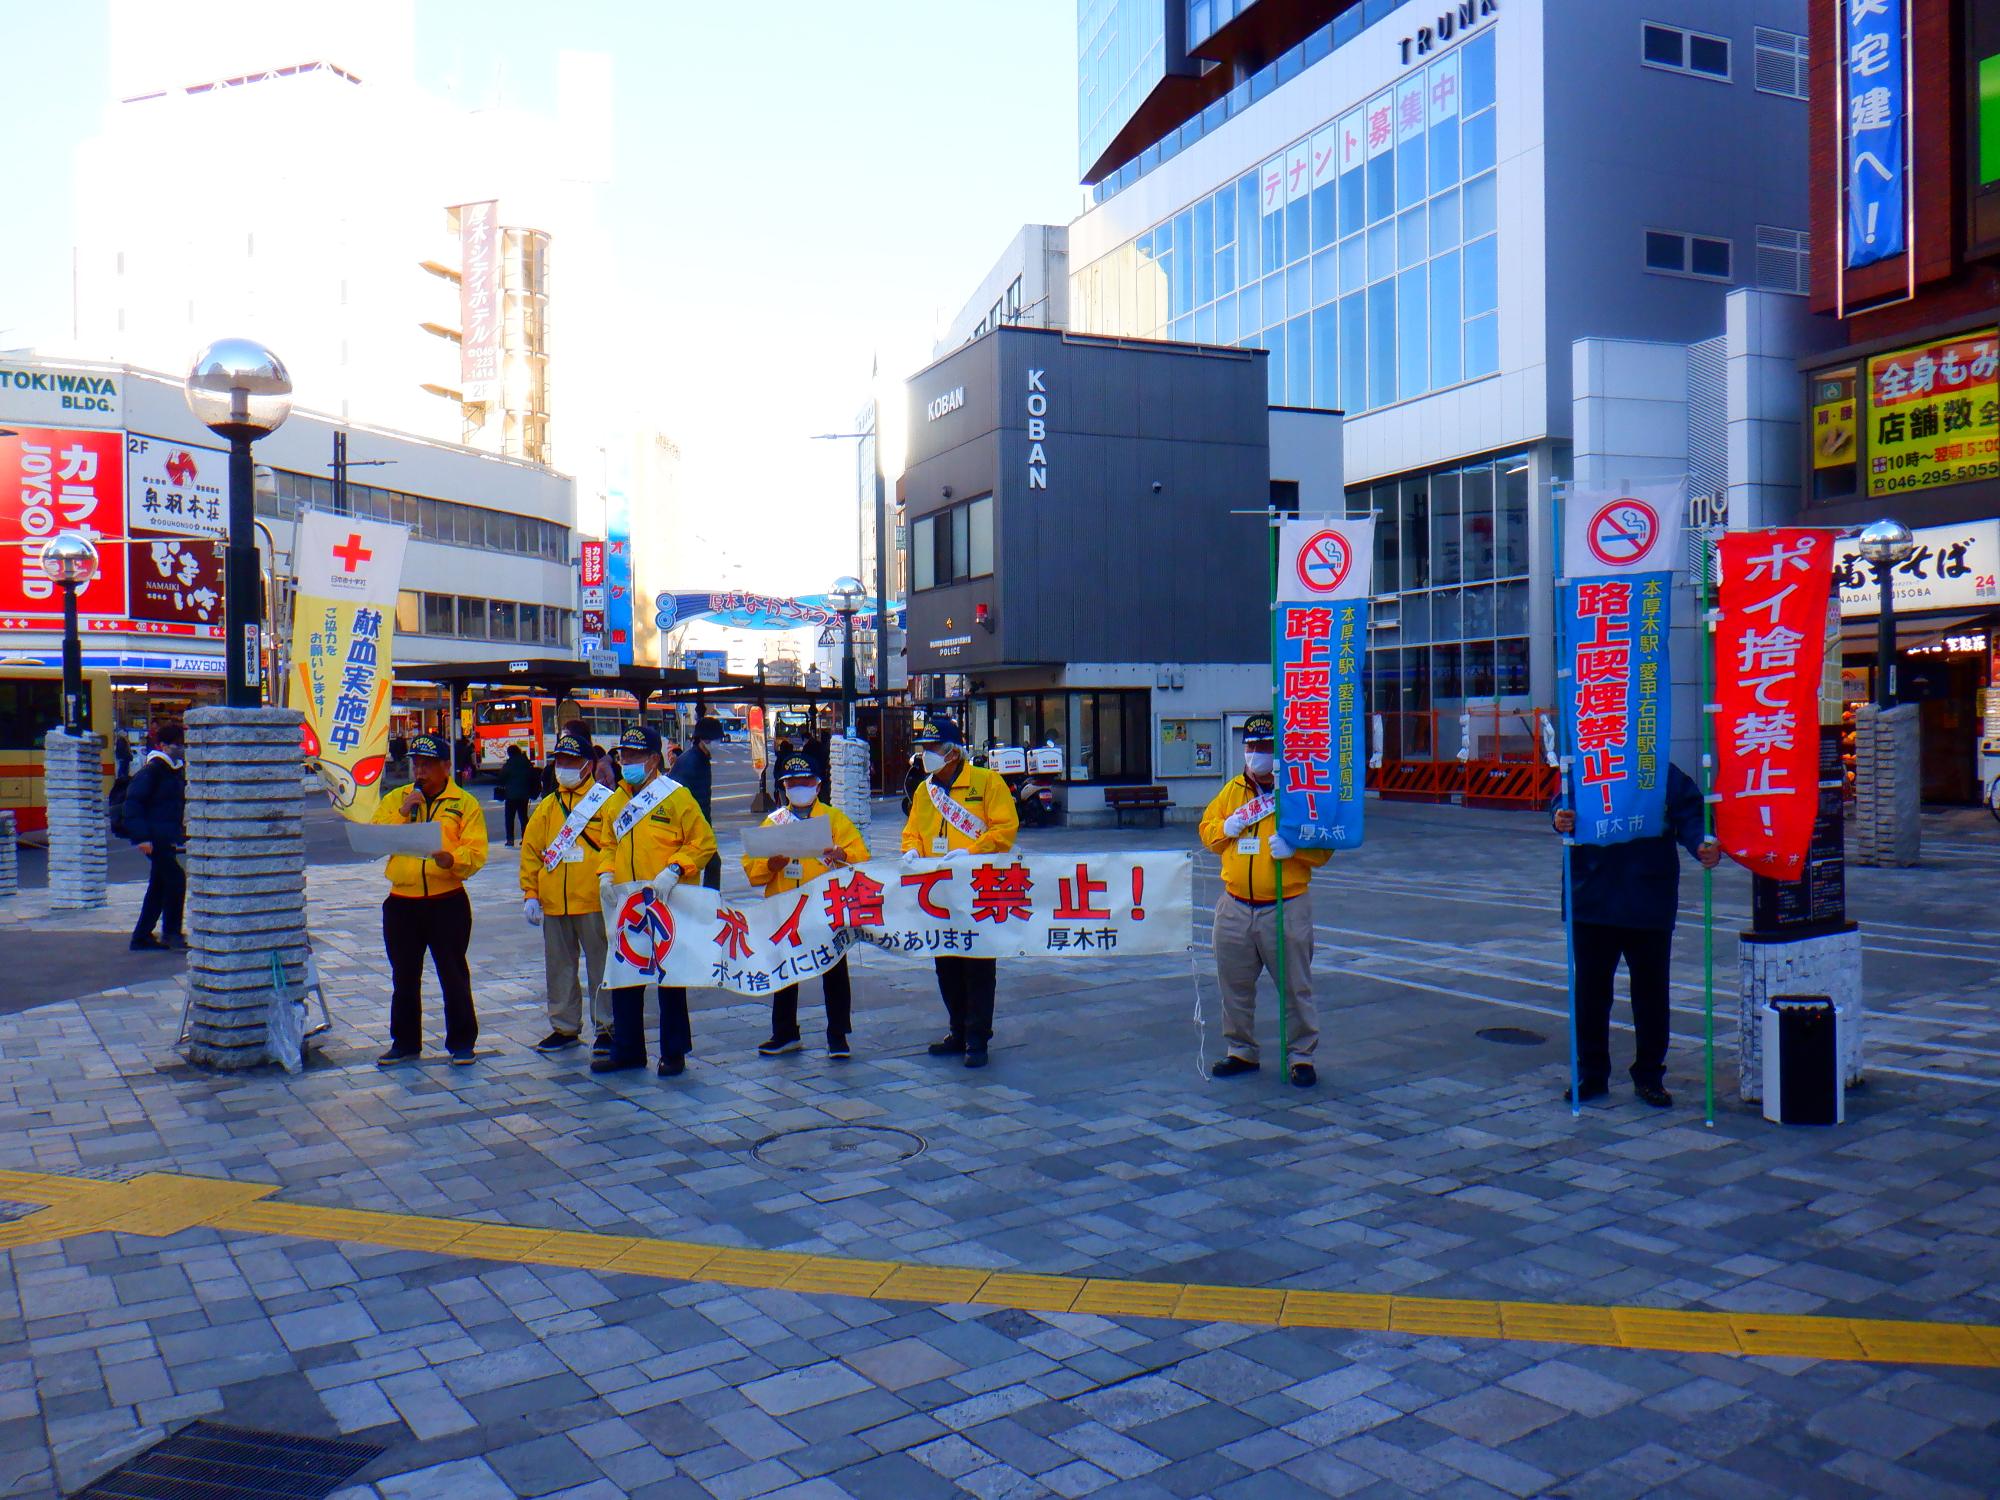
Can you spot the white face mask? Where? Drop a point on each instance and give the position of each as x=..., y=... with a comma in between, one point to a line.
x=1258, y=763
x=933, y=762
x=569, y=776
x=802, y=796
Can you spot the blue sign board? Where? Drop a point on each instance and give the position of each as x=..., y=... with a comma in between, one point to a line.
x=1875, y=131
x=618, y=576
x=1615, y=706
x=1321, y=742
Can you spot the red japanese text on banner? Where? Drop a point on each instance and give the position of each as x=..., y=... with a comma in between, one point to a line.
x=1769, y=645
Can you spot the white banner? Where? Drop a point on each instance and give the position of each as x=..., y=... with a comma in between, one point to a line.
x=983, y=906
x=181, y=488
x=1324, y=558
x=1611, y=532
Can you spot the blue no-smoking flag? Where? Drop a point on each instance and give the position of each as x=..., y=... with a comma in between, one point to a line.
x=1325, y=572
x=1874, y=130
x=1614, y=607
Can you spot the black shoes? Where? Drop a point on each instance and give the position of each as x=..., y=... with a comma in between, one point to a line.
x=1653, y=1094
x=948, y=1046
x=601, y=1046
x=1304, y=1075
x=174, y=941
x=836, y=1046
x=609, y=1064
x=672, y=1067
x=397, y=1055
x=1232, y=1066
x=777, y=1046
x=462, y=1059
x=1590, y=1091
x=556, y=1041
x=975, y=1057
x=147, y=943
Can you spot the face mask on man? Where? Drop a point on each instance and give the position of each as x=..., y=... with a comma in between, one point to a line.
x=802, y=796
x=569, y=776
x=933, y=762
x=634, y=775
x=1258, y=763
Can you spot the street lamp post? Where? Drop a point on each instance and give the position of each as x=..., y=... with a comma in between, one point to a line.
x=70, y=560
x=847, y=594
x=239, y=390
x=1884, y=545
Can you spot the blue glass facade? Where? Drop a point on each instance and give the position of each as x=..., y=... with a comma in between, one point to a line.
x=1121, y=56
x=1364, y=256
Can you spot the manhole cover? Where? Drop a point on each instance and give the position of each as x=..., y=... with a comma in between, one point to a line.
x=1512, y=1036
x=821, y=1148
x=235, y=1463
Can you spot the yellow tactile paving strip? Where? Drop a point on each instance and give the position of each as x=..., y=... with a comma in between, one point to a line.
x=159, y=1204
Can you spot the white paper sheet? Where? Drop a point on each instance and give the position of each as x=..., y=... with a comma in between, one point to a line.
x=395, y=838
x=799, y=839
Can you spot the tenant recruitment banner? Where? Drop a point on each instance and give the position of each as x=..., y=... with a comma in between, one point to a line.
x=343, y=638
x=1769, y=647
x=1070, y=906
x=1325, y=573
x=1613, y=608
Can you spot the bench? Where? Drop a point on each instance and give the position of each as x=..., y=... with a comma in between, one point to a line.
x=1138, y=799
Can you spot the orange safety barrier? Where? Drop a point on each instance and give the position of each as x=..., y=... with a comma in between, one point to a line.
x=1482, y=757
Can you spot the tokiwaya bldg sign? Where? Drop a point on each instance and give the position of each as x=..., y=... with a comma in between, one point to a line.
x=52, y=396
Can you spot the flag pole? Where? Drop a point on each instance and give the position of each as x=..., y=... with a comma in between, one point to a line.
x=1277, y=866
x=1707, y=651
x=1564, y=761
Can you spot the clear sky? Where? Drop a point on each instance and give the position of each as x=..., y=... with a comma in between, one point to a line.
x=799, y=184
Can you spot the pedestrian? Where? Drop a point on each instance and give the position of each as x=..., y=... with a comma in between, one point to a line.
x=562, y=851
x=1241, y=825
x=959, y=810
x=1623, y=899
x=517, y=789
x=659, y=835
x=121, y=754
x=695, y=771
x=603, y=767
x=156, y=821
x=466, y=760
x=427, y=909
x=800, y=785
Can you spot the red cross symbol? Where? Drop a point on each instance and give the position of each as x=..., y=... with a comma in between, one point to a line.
x=351, y=553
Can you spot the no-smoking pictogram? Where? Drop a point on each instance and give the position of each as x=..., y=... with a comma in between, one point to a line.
x=1323, y=561
x=1622, y=532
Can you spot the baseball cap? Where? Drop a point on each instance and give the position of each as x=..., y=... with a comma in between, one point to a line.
x=1258, y=727
x=570, y=743
x=641, y=737
x=939, y=727
x=796, y=768
x=429, y=747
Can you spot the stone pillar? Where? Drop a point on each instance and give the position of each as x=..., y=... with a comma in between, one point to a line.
x=246, y=863
x=10, y=866
x=1888, y=784
x=1825, y=964
x=79, y=823
x=849, y=772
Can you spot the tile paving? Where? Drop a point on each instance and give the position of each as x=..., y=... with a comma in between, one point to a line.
x=1428, y=1164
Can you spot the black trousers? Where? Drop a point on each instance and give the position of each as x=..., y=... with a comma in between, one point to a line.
x=839, y=1006
x=966, y=986
x=441, y=926
x=628, y=1023
x=1645, y=951
x=711, y=877
x=516, y=817
x=166, y=894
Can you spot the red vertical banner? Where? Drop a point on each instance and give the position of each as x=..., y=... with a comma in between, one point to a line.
x=1770, y=643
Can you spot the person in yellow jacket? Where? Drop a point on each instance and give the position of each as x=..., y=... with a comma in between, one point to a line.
x=562, y=849
x=957, y=810
x=1241, y=825
x=427, y=908
x=657, y=834
x=799, y=783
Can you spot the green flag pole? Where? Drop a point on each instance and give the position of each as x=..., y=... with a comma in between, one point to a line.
x=1707, y=644
x=1277, y=866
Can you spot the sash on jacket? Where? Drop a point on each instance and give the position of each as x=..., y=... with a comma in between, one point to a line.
x=644, y=801
x=573, y=826
x=963, y=818
x=1258, y=809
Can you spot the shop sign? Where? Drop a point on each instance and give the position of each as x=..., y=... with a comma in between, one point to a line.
x=53, y=397
x=1950, y=567
x=1833, y=419
x=176, y=489
x=479, y=302
x=1451, y=21
x=1934, y=415
x=1874, y=130
x=53, y=481
x=1038, y=431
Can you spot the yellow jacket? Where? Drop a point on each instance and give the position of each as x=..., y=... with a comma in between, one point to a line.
x=570, y=889
x=1253, y=877
x=457, y=811
x=775, y=874
x=675, y=832
x=985, y=794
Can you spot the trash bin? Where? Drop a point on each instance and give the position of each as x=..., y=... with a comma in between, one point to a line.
x=1802, y=1083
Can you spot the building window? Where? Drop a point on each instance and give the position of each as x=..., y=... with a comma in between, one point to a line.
x=1781, y=63
x=1681, y=51
x=1784, y=258
x=440, y=615
x=472, y=618
x=954, y=544
x=1671, y=253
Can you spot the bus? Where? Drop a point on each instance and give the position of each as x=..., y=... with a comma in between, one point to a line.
x=531, y=720
x=30, y=706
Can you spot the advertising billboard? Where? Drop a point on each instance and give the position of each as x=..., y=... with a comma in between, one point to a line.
x=54, y=480
x=479, y=301
x=1934, y=414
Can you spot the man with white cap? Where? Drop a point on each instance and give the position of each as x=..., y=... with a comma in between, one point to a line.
x=958, y=810
x=562, y=850
x=799, y=783
x=1241, y=825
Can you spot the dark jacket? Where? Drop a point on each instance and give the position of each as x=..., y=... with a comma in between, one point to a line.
x=1638, y=883
x=156, y=805
x=517, y=778
x=692, y=771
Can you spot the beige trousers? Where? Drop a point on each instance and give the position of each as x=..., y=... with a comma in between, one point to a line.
x=1246, y=944
x=561, y=938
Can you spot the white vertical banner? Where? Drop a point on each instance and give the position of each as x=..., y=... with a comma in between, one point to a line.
x=1381, y=125
x=1444, y=89
x=1325, y=148
x=1410, y=109
x=1353, y=133
x=1273, y=180
x=1298, y=171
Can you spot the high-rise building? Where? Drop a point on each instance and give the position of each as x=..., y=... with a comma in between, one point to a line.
x=1419, y=208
